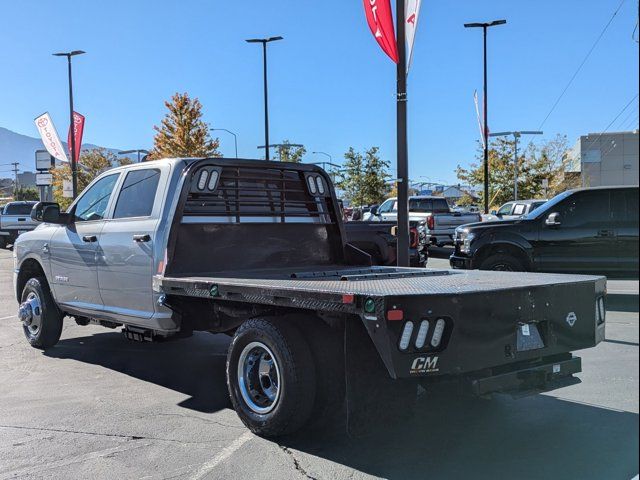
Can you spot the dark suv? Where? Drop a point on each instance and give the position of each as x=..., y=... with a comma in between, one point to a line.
x=590, y=230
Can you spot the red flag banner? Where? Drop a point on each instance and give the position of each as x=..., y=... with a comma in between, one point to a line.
x=78, y=129
x=380, y=22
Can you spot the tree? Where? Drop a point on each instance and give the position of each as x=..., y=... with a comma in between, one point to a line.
x=182, y=132
x=91, y=164
x=289, y=153
x=363, y=177
x=27, y=193
x=535, y=164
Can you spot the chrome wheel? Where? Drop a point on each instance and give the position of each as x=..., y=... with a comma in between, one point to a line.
x=259, y=378
x=30, y=313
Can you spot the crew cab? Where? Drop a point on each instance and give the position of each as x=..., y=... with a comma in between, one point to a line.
x=257, y=250
x=441, y=222
x=588, y=230
x=15, y=218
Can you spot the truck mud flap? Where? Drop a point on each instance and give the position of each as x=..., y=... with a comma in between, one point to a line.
x=373, y=398
x=529, y=381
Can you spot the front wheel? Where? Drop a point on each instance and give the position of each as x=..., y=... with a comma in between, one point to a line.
x=271, y=376
x=503, y=263
x=41, y=319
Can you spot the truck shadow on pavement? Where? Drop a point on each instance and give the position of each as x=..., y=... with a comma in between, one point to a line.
x=194, y=366
x=448, y=437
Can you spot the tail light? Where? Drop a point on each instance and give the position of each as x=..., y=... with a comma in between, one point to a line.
x=413, y=234
x=431, y=222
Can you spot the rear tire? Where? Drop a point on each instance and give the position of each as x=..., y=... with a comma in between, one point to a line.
x=45, y=318
x=267, y=353
x=502, y=262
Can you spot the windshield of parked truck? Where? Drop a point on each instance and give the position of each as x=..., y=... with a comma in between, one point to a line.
x=540, y=211
x=428, y=205
x=18, y=209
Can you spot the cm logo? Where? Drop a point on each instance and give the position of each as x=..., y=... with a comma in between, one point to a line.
x=424, y=365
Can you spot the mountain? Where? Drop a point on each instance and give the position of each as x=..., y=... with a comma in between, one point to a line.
x=15, y=147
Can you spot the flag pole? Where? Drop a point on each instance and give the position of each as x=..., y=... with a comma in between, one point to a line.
x=402, y=148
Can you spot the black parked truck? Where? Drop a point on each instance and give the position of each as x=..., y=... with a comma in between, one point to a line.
x=257, y=250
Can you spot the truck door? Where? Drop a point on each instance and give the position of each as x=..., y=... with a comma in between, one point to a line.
x=73, y=249
x=624, y=207
x=584, y=241
x=126, y=264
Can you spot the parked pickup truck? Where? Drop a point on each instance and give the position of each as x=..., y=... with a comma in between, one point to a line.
x=513, y=210
x=587, y=230
x=441, y=221
x=15, y=218
x=378, y=239
x=257, y=250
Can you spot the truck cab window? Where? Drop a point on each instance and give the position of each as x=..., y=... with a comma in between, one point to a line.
x=586, y=209
x=505, y=209
x=386, y=206
x=93, y=203
x=137, y=194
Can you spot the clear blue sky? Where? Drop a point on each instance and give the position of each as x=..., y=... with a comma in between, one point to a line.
x=331, y=86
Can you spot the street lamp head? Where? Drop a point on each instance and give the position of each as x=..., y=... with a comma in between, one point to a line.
x=264, y=40
x=68, y=54
x=485, y=25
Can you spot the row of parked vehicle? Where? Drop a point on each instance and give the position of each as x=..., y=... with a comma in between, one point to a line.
x=14, y=220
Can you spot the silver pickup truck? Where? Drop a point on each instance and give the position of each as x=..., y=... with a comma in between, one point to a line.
x=257, y=250
x=441, y=222
x=15, y=218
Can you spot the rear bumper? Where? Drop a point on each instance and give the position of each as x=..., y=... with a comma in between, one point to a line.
x=521, y=381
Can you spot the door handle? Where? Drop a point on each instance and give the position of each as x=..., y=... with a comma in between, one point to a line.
x=90, y=238
x=144, y=237
x=22, y=219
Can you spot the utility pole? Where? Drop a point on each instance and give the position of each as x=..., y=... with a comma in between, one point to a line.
x=516, y=138
x=15, y=182
x=402, y=147
x=485, y=132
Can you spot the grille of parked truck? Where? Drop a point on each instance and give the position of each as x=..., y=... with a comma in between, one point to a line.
x=588, y=230
x=257, y=250
x=15, y=219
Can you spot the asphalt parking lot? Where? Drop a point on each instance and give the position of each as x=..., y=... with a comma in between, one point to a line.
x=98, y=406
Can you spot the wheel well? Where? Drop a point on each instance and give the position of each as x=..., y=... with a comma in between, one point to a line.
x=503, y=248
x=30, y=268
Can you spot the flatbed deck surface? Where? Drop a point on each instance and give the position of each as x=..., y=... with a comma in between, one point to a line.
x=386, y=281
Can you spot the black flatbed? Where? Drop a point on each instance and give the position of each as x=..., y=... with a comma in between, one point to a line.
x=370, y=281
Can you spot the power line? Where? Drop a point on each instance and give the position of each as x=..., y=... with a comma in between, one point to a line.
x=612, y=121
x=573, y=77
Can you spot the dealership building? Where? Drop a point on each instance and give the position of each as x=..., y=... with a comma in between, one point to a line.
x=606, y=159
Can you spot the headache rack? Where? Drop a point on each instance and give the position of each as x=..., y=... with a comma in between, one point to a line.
x=257, y=195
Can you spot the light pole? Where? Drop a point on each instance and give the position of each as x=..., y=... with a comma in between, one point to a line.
x=485, y=132
x=326, y=155
x=74, y=166
x=264, y=42
x=139, y=151
x=516, y=137
x=235, y=137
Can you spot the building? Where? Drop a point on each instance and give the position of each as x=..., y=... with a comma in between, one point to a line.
x=606, y=159
x=27, y=180
x=454, y=193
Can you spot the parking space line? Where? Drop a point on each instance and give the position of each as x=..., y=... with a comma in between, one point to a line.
x=7, y=318
x=223, y=455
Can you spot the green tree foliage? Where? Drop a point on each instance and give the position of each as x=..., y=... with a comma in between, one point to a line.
x=535, y=164
x=92, y=163
x=363, y=177
x=289, y=153
x=27, y=193
x=182, y=132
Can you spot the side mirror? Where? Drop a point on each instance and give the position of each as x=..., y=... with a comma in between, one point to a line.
x=494, y=212
x=49, y=212
x=38, y=209
x=374, y=211
x=553, y=220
